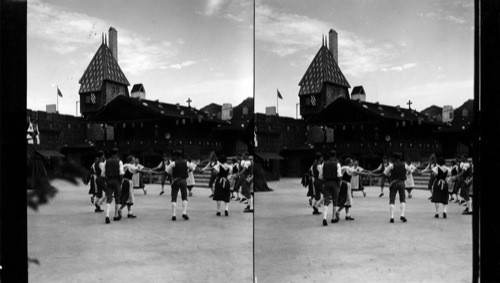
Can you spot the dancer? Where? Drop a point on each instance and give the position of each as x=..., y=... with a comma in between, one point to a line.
x=317, y=184
x=345, y=194
x=428, y=169
x=222, y=188
x=113, y=172
x=330, y=172
x=453, y=184
x=356, y=181
x=410, y=183
x=210, y=166
x=91, y=181
x=233, y=177
x=137, y=177
x=100, y=182
x=238, y=182
x=164, y=175
x=190, y=180
x=179, y=170
x=127, y=195
x=440, y=186
x=397, y=170
x=383, y=178
x=246, y=173
x=465, y=180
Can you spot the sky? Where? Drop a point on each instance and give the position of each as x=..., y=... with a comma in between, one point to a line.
x=398, y=51
x=198, y=49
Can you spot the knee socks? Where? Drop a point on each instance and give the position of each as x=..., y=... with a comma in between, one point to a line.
x=108, y=208
x=325, y=211
x=436, y=205
x=184, y=206
x=391, y=209
x=218, y=206
x=227, y=205
x=174, y=204
x=403, y=208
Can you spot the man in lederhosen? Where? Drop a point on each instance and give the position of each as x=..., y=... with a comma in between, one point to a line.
x=397, y=170
x=246, y=175
x=100, y=182
x=330, y=173
x=179, y=170
x=113, y=172
x=465, y=180
x=164, y=176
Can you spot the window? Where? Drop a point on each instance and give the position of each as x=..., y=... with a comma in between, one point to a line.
x=308, y=101
x=465, y=113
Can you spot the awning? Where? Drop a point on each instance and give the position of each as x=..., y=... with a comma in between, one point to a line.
x=47, y=153
x=269, y=156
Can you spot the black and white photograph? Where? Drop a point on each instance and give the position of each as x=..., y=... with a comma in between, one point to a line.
x=364, y=122
x=151, y=104
x=260, y=141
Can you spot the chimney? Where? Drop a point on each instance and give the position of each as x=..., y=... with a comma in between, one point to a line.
x=113, y=42
x=333, y=44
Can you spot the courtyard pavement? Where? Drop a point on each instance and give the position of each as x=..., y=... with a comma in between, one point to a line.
x=291, y=245
x=73, y=244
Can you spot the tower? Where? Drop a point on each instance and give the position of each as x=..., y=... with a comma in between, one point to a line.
x=333, y=44
x=113, y=42
x=323, y=81
x=103, y=79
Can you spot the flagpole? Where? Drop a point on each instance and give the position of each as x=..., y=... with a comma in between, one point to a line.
x=57, y=99
x=277, y=112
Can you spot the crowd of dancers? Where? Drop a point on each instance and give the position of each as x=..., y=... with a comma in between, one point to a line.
x=111, y=179
x=330, y=182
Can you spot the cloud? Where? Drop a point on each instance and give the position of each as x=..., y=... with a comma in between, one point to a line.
x=399, y=68
x=438, y=93
x=286, y=34
x=71, y=33
x=455, y=12
x=236, y=10
x=179, y=66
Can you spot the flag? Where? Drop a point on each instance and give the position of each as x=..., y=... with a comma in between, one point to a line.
x=313, y=100
x=59, y=92
x=37, y=134
x=255, y=143
x=279, y=94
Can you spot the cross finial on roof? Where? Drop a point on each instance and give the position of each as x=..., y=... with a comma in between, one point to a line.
x=189, y=102
x=409, y=104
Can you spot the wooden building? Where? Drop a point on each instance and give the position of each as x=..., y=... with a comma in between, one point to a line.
x=367, y=131
x=149, y=128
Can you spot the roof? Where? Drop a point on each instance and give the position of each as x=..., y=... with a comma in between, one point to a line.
x=103, y=66
x=358, y=90
x=240, y=121
x=47, y=153
x=432, y=111
x=344, y=110
x=124, y=108
x=269, y=155
x=322, y=69
x=461, y=123
x=138, y=87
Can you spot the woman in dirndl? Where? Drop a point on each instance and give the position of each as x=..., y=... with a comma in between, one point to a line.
x=345, y=196
x=190, y=182
x=440, y=192
x=409, y=182
x=222, y=187
x=127, y=193
x=453, y=184
x=429, y=169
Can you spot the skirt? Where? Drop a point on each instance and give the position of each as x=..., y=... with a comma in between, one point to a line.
x=136, y=179
x=355, y=183
x=93, y=185
x=127, y=195
x=409, y=183
x=440, y=192
x=222, y=190
x=345, y=198
x=190, y=179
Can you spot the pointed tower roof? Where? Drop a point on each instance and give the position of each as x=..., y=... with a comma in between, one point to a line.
x=322, y=69
x=103, y=66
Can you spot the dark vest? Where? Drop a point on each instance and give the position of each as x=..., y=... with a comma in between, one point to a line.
x=112, y=167
x=97, y=169
x=467, y=172
x=346, y=177
x=315, y=170
x=235, y=169
x=180, y=169
x=128, y=175
x=398, y=171
x=330, y=170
